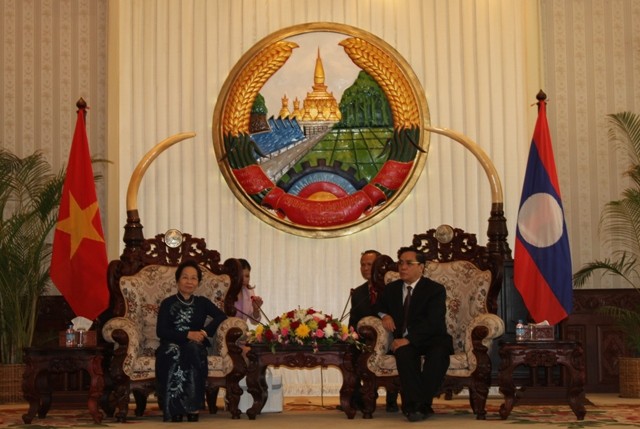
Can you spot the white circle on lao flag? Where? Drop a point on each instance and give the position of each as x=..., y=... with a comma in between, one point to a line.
x=540, y=220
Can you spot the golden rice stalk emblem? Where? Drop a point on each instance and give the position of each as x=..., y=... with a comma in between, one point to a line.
x=249, y=82
x=385, y=71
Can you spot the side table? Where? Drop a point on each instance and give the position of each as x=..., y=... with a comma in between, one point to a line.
x=534, y=354
x=42, y=361
x=260, y=357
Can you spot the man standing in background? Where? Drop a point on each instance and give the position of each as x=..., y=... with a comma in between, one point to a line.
x=363, y=299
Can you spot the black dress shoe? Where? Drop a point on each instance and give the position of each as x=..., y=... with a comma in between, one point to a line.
x=415, y=416
x=392, y=407
x=427, y=410
x=193, y=417
x=176, y=418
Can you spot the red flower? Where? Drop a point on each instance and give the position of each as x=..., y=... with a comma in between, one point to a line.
x=311, y=311
x=269, y=335
x=322, y=324
x=294, y=325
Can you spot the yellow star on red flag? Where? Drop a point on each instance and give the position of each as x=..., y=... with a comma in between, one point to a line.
x=79, y=224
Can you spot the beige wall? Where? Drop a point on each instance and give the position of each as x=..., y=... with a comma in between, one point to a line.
x=51, y=54
x=591, y=69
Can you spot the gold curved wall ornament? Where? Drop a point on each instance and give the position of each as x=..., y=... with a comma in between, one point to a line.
x=481, y=156
x=145, y=162
x=309, y=185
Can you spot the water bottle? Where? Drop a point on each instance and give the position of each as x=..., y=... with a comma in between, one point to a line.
x=81, y=337
x=70, y=336
x=520, y=331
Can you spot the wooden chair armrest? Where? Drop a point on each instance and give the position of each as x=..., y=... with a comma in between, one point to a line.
x=494, y=326
x=122, y=332
x=376, y=338
x=227, y=336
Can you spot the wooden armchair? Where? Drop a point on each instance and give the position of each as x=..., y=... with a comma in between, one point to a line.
x=142, y=277
x=472, y=277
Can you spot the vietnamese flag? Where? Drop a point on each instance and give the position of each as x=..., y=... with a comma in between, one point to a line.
x=79, y=257
x=542, y=260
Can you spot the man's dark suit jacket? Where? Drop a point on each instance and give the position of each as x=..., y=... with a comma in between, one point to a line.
x=360, y=305
x=427, y=323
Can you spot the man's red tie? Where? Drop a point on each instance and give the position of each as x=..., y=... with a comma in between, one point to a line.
x=407, y=303
x=372, y=295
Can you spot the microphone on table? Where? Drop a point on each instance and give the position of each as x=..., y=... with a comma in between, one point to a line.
x=262, y=311
x=355, y=305
x=248, y=315
x=343, y=315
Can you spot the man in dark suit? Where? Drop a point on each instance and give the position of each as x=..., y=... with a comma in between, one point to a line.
x=363, y=299
x=418, y=331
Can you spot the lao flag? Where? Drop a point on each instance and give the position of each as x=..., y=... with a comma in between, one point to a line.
x=542, y=260
x=79, y=257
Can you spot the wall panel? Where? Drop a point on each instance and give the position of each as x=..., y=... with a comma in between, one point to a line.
x=591, y=52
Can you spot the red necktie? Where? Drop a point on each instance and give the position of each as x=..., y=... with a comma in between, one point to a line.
x=407, y=302
x=372, y=295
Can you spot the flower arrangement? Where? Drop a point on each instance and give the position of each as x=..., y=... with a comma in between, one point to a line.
x=303, y=327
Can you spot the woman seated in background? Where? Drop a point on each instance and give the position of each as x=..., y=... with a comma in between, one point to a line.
x=248, y=303
x=181, y=358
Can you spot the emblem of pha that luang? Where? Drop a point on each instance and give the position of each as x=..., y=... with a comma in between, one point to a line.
x=322, y=164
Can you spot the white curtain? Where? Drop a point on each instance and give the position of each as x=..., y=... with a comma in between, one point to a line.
x=477, y=62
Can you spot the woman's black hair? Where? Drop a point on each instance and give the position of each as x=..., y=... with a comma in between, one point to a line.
x=188, y=263
x=245, y=264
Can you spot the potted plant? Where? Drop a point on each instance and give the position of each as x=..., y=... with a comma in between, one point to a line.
x=29, y=198
x=620, y=225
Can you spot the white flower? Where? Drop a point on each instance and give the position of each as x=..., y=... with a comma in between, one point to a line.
x=328, y=331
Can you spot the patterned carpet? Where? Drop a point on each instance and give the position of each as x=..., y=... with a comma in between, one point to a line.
x=447, y=414
x=560, y=415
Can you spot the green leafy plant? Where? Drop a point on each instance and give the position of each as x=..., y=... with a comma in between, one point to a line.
x=620, y=227
x=29, y=199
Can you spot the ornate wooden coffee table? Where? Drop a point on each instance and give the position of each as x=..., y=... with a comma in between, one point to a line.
x=260, y=357
x=42, y=361
x=533, y=354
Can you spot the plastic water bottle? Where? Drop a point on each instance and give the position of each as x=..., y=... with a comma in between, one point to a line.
x=520, y=330
x=70, y=336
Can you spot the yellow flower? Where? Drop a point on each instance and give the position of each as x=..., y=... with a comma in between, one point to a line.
x=284, y=322
x=344, y=329
x=313, y=325
x=302, y=331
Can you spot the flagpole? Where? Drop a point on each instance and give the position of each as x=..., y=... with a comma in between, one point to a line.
x=82, y=105
x=541, y=97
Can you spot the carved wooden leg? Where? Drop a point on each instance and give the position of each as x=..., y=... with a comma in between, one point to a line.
x=122, y=392
x=479, y=390
x=94, y=368
x=508, y=389
x=212, y=399
x=369, y=386
x=234, y=392
x=348, y=386
x=256, y=385
x=575, y=390
x=30, y=392
x=140, y=397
